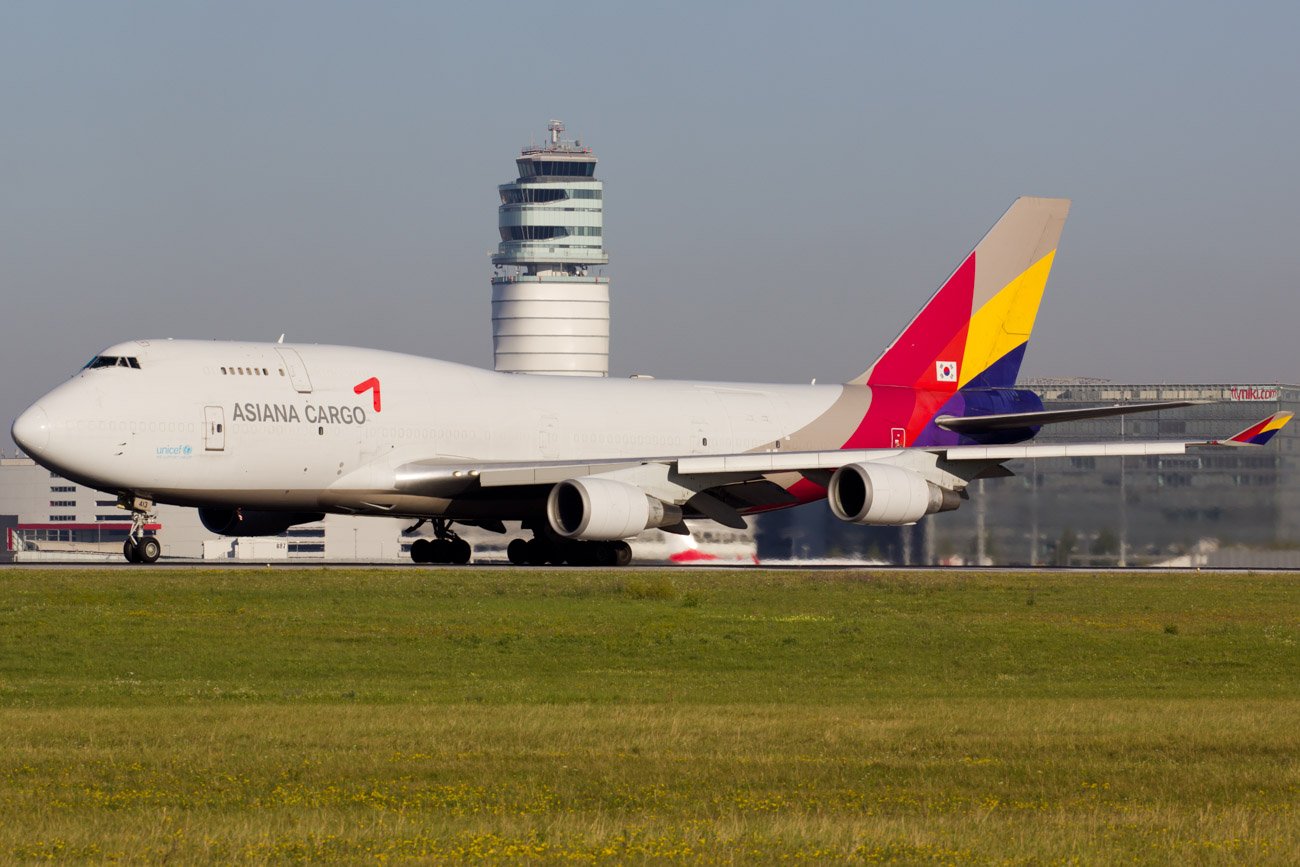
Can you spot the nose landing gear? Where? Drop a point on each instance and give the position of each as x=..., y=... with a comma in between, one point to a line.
x=445, y=547
x=139, y=548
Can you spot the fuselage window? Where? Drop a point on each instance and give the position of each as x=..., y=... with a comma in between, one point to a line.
x=223, y=371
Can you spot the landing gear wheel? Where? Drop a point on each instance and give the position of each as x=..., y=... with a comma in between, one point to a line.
x=517, y=552
x=622, y=553
x=139, y=548
x=460, y=552
x=149, y=550
x=578, y=554
x=446, y=547
x=539, y=552
x=420, y=551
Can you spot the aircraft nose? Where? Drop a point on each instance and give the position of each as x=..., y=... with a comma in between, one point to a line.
x=31, y=430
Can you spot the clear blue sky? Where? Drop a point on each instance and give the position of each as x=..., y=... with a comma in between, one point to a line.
x=785, y=183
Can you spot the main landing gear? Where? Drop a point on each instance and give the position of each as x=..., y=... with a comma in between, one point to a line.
x=540, y=550
x=139, y=548
x=446, y=547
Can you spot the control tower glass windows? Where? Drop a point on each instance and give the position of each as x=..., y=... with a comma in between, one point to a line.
x=556, y=168
x=542, y=233
x=532, y=195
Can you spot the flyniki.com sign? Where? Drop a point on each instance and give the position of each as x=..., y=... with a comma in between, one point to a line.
x=1252, y=392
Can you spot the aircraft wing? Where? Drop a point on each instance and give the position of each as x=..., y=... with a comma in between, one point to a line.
x=722, y=486
x=1017, y=420
x=774, y=462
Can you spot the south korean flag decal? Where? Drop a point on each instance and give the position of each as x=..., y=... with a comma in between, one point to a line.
x=945, y=371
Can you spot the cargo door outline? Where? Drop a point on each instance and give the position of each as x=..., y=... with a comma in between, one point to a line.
x=296, y=370
x=214, y=429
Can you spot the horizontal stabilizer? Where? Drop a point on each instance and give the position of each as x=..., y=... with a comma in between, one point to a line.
x=1260, y=432
x=1014, y=420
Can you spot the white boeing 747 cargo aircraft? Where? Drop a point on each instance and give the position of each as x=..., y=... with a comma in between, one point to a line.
x=262, y=436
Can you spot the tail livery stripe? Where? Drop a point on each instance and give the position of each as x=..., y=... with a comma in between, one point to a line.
x=971, y=334
x=1261, y=433
x=1002, y=326
x=974, y=330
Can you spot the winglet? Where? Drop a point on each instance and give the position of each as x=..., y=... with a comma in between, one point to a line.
x=1260, y=432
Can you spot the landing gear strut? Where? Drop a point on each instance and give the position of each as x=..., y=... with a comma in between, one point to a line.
x=540, y=550
x=139, y=548
x=445, y=547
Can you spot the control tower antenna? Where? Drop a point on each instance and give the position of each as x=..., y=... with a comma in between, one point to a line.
x=549, y=315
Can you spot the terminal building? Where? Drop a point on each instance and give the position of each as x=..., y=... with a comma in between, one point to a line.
x=1211, y=504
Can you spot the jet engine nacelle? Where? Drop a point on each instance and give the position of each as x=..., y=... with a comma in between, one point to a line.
x=242, y=522
x=604, y=509
x=873, y=493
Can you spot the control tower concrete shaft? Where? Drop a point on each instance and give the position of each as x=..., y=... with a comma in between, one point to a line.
x=549, y=314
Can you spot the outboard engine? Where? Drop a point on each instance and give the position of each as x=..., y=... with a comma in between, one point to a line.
x=875, y=493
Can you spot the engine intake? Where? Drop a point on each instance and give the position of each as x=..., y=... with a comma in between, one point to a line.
x=242, y=522
x=872, y=493
x=606, y=510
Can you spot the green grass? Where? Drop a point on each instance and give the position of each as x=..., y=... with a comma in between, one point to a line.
x=727, y=716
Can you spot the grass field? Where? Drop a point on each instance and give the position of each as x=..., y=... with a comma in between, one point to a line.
x=718, y=716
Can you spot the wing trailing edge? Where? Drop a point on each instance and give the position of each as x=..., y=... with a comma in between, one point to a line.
x=975, y=424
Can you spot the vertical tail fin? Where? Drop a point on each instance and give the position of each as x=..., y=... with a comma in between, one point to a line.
x=973, y=332
x=1259, y=433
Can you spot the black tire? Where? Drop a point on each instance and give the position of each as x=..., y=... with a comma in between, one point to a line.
x=517, y=552
x=440, y=551
x=538, y=552
x=578, y=553
x=460, y=552
x=420, y=551
x=130, y=552
x=622, y=553
x=149, y=550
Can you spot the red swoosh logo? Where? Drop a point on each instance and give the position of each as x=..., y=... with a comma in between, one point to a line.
x=371, y=383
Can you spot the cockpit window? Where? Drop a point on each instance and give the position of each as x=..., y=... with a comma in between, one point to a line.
x=112, y=361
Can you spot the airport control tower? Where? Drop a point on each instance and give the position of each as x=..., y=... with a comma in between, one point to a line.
x=549, y=314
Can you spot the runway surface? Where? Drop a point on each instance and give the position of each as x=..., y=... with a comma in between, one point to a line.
x=299, y=565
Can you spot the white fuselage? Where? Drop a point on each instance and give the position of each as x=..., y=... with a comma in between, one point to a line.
x=285, y=427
